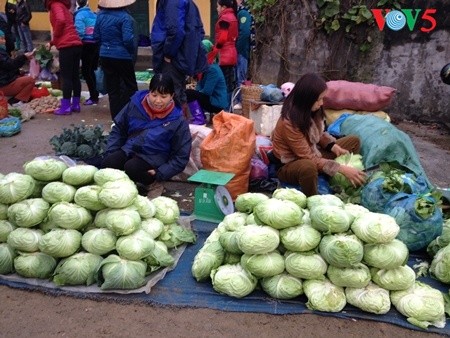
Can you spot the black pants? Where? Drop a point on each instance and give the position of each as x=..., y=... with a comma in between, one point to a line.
x=120, y=82
x=89, y=63
x=69, y=70
x=203, y=100
x=135, y=167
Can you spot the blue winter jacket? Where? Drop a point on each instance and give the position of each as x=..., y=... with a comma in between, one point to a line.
x=115, y=33
x=177, y=33
x=165, y=143
x=213, y=84
x=85, y=23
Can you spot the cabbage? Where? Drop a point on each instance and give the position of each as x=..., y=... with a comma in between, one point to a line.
x=122, y=221
x=118, y=194
x=234, y=221
x=386, y=256
x=371, y=298
x=300, y=238
x=247, y=201
x=153, y=226
x=28, y=213
x=355, y=210
x=228, y=240
x=339, y=181
x=263, y=265
x=282, y=286
x=231, y=258
x=341, y=250
x=81, y=174
x=357, y=276
x=167, y=210
x=45, y=169
x=440, y=241
x=257, y=239
x=174, y=235
x=233, y=280
x=69, y=215
x=290, y=194
x=330, y=219
x=374, y=227
x=324, y=296
x=16, y=187
x=328, y=199
x=78, y=269
x=5, y=229
x=3, y=211
x=305, y=265
x=88, y=197
x=38, y=187
x=279, y=214
x=99, y=241
x=109, y=175
x=208, y=258
x=251, y=219
x=24, y=239
x=421, y=304
x=440, y=265
x=118, y=273
x=400, y=278
x=54, y=192
x=34, y=265
x=100, y=218
x=159, y=257
x=48, y=225
x=135, y=246
x=145, y=207
x=7, y=255
x=60, y=243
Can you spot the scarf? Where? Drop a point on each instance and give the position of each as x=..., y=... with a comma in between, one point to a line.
x=157, y=113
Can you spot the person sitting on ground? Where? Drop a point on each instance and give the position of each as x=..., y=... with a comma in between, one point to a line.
x=210, y=91
x=301, y=147
x=150, y=139
x=11, y=83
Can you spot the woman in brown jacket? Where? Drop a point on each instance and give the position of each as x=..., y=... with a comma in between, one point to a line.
x=301, y=144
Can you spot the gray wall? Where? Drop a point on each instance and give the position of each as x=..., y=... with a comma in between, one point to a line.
x=289, y=45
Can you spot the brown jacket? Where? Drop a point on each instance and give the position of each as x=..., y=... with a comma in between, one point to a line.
x=290, y=144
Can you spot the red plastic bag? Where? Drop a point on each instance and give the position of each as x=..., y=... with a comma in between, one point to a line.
x=3, y=106
x=39, y=92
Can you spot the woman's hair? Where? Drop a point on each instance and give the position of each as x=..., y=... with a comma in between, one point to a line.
x=297, y=105
x=81, y=3
x=162, y=83
x=229, y=4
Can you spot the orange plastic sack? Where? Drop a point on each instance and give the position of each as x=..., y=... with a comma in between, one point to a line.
x=229, y=148
x=357, y=96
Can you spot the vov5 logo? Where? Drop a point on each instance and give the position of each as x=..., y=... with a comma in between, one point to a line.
x=398, y=19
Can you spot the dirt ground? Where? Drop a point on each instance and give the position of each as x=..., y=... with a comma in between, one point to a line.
x=34, y=314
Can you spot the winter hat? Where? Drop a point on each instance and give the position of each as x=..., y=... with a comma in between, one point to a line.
x=115, y=3
x=286, y=88
x=207, y=45
x=2, y=34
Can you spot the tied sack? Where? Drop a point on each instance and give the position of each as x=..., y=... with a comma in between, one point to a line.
x=229, y=148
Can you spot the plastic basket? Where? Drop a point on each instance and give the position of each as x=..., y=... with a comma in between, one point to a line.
x=248, y=93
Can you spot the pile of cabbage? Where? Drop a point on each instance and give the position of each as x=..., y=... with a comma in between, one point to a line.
x=79, y=225
x=332, y=252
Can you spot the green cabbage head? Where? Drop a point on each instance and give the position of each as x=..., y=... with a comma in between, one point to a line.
x=342, y=250
x=29, y=212
x=145, y=207
x=279, y=214
x=372, y=227
x=167, y=210
x=118, y=194
x=88, y=197
x=440, y=265
x=7, y=255
x=282, y=286
x=153, y=226
x=291, y=194
x=372, y=298
x=69, y=215
x=99, y=241
x=208, y=258
x=25, y=239
x=54, y=192
x=104, y=175
x=247, y=201
x=122, y=221
x=79, y=175
x=386, y=256
x=357, y=276
x=257, y=239
x=263, y=265
x=78, y=269
x=400, y=278
x=5, y=229
x=233, y=280
x=122, y=274
x=324, y=296
x=305, y=265
x=45, y=169
x=34, y=265
x=15, y=187
x=300, y=238
x=135, y=246
x=330, y=219
x=60, y=243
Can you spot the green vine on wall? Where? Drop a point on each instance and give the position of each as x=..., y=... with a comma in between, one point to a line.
x=260, y=8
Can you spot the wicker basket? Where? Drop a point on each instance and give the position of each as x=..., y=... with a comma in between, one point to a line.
x=248, y=93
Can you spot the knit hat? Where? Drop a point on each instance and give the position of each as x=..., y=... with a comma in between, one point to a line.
x=207, y=45
x=286, y=88
x=2, y=34
x=115, y=3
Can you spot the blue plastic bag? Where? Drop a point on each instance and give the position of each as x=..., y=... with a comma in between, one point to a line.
x=10, y=126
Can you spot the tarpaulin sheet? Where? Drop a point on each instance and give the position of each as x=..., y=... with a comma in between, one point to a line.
x=179, y=288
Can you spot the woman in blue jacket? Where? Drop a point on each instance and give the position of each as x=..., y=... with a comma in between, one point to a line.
x=114, y=31
x=150, y=139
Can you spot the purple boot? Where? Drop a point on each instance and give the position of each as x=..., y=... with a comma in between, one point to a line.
x=75, y=105
x=64, y=109
x=198, y=116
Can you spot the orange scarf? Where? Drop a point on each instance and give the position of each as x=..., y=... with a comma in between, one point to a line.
x=157, y=113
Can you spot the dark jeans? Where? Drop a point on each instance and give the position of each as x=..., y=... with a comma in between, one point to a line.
x=89, y=63
x=179, y=81
x=135, y=167
x=120, y=82
x=69, y=70
x=202, y=99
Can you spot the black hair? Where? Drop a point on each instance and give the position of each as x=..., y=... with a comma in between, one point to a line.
x=229, y=4
x=81, y=3
x=162, y=83
x=297, y=105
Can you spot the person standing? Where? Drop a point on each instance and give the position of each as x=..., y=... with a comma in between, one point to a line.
x=226, y=33
x=176, y=37
x=23, y=26
x=114, y=31
x=65, y=38
x=11, y=14
x=4, y=27
x=84, y=23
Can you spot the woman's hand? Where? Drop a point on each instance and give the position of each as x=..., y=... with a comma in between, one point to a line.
x=355, y=176
x=338, y=150
x=152, y=172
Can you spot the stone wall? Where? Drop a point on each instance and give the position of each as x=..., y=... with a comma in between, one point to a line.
x=289, y=44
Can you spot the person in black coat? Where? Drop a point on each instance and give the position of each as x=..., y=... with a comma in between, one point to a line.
x=4, y=26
